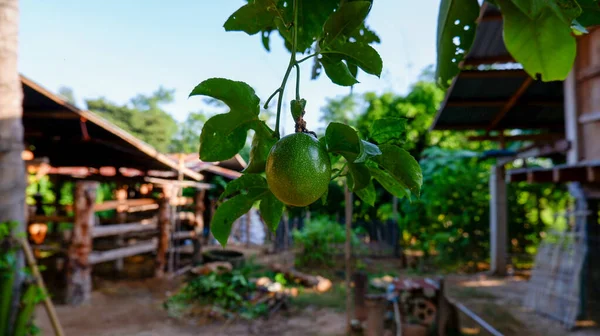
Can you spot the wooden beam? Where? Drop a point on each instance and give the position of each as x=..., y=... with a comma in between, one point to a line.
x=46, y=219
x=499, y=103
x=475, y=61
x=593, y=174
x=45, y=114
x=113, y=204
x=511, y=102
x=102, y=256
x=493, y=74
x=184, y=184
x=586, y=118
x=118, y=229
x=569, y=174
x=520, y=137
x=541, y=176
x=164, y=227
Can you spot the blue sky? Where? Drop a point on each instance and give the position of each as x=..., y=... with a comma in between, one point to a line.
x=119, y=48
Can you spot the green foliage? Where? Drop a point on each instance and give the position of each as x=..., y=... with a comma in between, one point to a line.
x=318, y=240
x=228, y=291
x=186, y=139
x=537, y=33
x=142, y=117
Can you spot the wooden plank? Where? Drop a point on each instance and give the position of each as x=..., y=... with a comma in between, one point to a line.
x=45, y=114
x=103, y=256
x=79, y=271
x=499, y=103
x=493, y=74
x=164, y=226
x=184, y=235
x=593, y=174
x=586, y=118
x=45, y=219
x=180, y=201
x=118, y=229
x=113, y=204
x=521, y=137
x=511, y=102
x=184, y=184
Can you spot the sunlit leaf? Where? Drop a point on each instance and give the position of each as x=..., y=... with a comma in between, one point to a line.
x=345, y=20
x=367, y=194
x=389, y=131
x=402, y=166
x=455, y=35
x=359, y=54
x=244, y=182
x=251, y=18
x=271, y=210
x=566, y=10
x=262, y=142
x=338, y=72
x=230, y=210
x=343, y=139
x=389, y=183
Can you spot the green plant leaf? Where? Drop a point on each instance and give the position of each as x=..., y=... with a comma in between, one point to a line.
x=231, y=210
x=244, y=182
x=251, y=18
x=297, y=108
x=402, y=166
x=367, y=194
x=262, y=142
x=343, y=140
x=359, y=54
x=271, y=210
x=455, y=35
x=389, y=131
x=368, y=150
x=345, y=20
x=566, y=10
x=544, y=44
x=361, y=176
x=353, y=69
x=590, y=13
x=224, y=135
x=338, y=72
x=389, y=183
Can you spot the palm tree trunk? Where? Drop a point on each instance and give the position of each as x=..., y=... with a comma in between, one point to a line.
x=12, y=168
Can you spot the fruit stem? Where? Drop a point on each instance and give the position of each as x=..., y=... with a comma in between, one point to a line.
x=339, y=172
x=289, y=69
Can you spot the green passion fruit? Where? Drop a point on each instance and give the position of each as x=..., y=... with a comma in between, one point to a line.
x=298, y=169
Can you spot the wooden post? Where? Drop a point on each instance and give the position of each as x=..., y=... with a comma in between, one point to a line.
x=498, y=221
x=198, y=226
x=121, y=218
x=348, y=253
x=361, y=284
x=79, y=270
x=375, y=319
x=164, y=226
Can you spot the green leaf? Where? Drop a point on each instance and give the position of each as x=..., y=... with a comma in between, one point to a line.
x=345, y=20
x=251, y=18
x=324, y=196
x=231, y=210
x=361, y=177
x=566, y=10
x=343, y=139
x=368, y=150
x=544, y=45
x=271, y=210
x=338, y=72
x=359, y=54
x=389, y=183
x=352, y=68
x=367, y=194
x=590, y=14
x=266, y=41
x=224, y=135
x=455, y=35
x=402, y=166
x=389, y=131
x=244, y=182
x=262, y=142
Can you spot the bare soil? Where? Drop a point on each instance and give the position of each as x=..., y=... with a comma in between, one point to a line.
x=128, y=308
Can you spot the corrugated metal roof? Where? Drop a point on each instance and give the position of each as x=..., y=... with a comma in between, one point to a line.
x=476, y=98
x=488, y=46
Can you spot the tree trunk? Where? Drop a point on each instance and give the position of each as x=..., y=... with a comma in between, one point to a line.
x=348, y=253
x=12, y=169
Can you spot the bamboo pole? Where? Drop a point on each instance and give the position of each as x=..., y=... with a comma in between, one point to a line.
x=347, y=254
x=58, y=331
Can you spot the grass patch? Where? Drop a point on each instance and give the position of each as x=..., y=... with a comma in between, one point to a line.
x=335, y=298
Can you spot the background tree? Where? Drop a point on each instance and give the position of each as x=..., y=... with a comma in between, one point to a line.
x=67, y=94
x=186, y=140
x=142, y=117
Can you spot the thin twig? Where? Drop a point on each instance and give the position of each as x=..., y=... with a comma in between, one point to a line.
x=339, y=172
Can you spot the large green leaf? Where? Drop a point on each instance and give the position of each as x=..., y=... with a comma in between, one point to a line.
x=590, y=15
x=389, y=183
x=389, y=131
x=252, y=17
x=231, y=210
x=566, y=10
x=271, y=210
x=262, y=142
x=543, y=44
x=246, y=190
x=367, y=151
x=345, y=20
x=337, y=71
x=367, y=194
x=455, y=35
x=359, y=54
x=361, y=176
x=343, y=139
x=224, y=135
x=402, y=166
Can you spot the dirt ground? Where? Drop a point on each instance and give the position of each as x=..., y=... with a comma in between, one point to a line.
x=134, y=308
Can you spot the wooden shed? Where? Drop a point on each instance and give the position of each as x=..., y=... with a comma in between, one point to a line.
x=494, y=95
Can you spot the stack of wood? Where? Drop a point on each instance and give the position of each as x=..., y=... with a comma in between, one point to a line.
x=318, y=283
